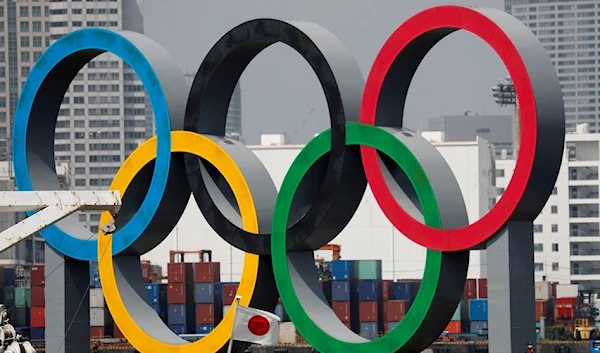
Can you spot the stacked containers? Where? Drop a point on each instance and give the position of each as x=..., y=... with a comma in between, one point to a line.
x=228, y=292
x=344, y=292
x=370, y=296
x=94, y=275
x=101, y=322
x=38, y=303
x=478, y=315
x=181, y=311
x=545, y=292
x=207, y=296
x=21, y=299
x=157, y=296
x=402, y=294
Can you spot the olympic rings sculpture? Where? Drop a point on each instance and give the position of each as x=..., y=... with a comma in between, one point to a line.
x=278, y=231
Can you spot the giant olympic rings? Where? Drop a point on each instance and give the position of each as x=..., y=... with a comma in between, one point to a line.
x=279, y=231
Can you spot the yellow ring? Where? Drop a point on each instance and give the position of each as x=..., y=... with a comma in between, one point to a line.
x=187, y=142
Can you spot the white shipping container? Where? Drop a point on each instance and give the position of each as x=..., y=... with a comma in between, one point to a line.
x=287, y=333
x=567, y=290
x=226, y=309
x=96, y=298
x=100, y=317
x=543, y=290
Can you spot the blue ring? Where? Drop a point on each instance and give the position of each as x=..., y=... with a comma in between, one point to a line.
x=115, y=43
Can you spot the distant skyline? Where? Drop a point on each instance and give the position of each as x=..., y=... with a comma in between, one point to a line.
x=280, y=92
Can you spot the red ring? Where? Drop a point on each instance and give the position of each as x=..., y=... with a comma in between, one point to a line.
x=477, y=233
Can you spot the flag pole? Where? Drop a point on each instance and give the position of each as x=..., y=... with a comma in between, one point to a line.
x=237, y=302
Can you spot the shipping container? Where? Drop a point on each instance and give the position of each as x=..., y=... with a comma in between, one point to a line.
x=567, y=290
x=326, y=288
x=369, y=270
x=9, y=296
x=98, y=332
x=287, y=333
x=340, y=291
x=94, y=275
x=405, y=290
x=180, y=293
x=23, y=296
x=344, y=270
x=180, y=272
x=96, y=298
x=181, y=314
x=454, y=326
x=369, y=330
x=38, y=277
x=390, y=325
x=369, y=291
x=207, y=293
x=369, y=311
x=343, y=310
x=207, y=272
x=37, y=334
x=21, y=316
x=478, y=310
x=9, y=276
x=482, y=288
x=38, y=317
x=565, y=308
x=208, y=314
x=157, y=293
x=229, y=292
x=100, y=317
x=459, y=313
x=38, y=296
x=145, y=270
x=470, y=291
x=395, y=309
x=386, y=289
x=478, y=326
x=204, y=329
x=117, y=332
x=541, y=309
x=178, y=329
x=543, y=290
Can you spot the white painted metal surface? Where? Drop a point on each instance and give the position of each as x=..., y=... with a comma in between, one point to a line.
x=52, y=206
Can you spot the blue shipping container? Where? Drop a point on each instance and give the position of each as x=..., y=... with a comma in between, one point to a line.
x=180, y=314
x=369, y=291
x=178, y=329
x=478, y=310
x=340, y=291
x=403, y=291
x=391, y=325
x=344, y=270
x=9, y=276
x=204, y=329
x=9, y=296
x=207, y=293
x=94, y=275
x=368, y=330
x=478, y=326
x=157, y=293
x=38, y=333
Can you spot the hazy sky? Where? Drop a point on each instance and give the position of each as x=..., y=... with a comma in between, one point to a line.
x=279, y=89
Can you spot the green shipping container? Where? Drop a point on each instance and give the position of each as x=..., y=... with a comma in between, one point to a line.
x=23, y=296
x=369, y=270
x=458, y=313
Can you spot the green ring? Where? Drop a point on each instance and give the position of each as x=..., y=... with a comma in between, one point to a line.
x=371, y=136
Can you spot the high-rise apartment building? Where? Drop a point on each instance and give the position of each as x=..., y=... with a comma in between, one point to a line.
x=104, y=114
x=569, y=31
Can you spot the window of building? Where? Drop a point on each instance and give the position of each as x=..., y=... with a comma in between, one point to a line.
x=500, y=173
x=538, y=267
x=25, y=42
x=555, y=228
x=554, y=191
x=538, y=247
x=500, y=191
x=25, y=57
x=555, y=266
x=37, y=42
x=24, y=11
x=24, y=26
x=36, y=11
x=36, y=26
x=79, y=182
x=538, y=228
x=554, y=247
x=25, y=71
x=82, y=218
x=554, y=209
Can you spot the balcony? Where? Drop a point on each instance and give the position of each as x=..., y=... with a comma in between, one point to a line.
x=585, y=249
x=583, y=192
x=583, y=173
x=584, y=229
x=583, y=151
x=585, y=210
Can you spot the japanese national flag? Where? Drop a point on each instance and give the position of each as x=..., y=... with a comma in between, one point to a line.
x=255, y=326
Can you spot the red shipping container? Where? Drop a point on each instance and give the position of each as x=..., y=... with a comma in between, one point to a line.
x=38, y=277
x=386, y=286
x=570, y=301
x=207, y=272
x=97, y=332
x=177, y=293
x=541, y=309
x=470, y=289
x=205, y=314
x=117, y=333
x=38, y=316
x=180, y=272
x=453, y=327
x=38, y=296
x=341, y=310
x=564, y=312
x=395, y=310
x=482, y=288
x=368, y=311
x=145, y=270
x=229, y=291
x=346, y=323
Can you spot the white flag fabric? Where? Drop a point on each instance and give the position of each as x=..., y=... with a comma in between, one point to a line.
x=255, y=326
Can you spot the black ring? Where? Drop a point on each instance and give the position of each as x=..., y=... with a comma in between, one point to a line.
x=332, y=192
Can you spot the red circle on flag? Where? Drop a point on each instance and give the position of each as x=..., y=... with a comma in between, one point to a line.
x=258, y=325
